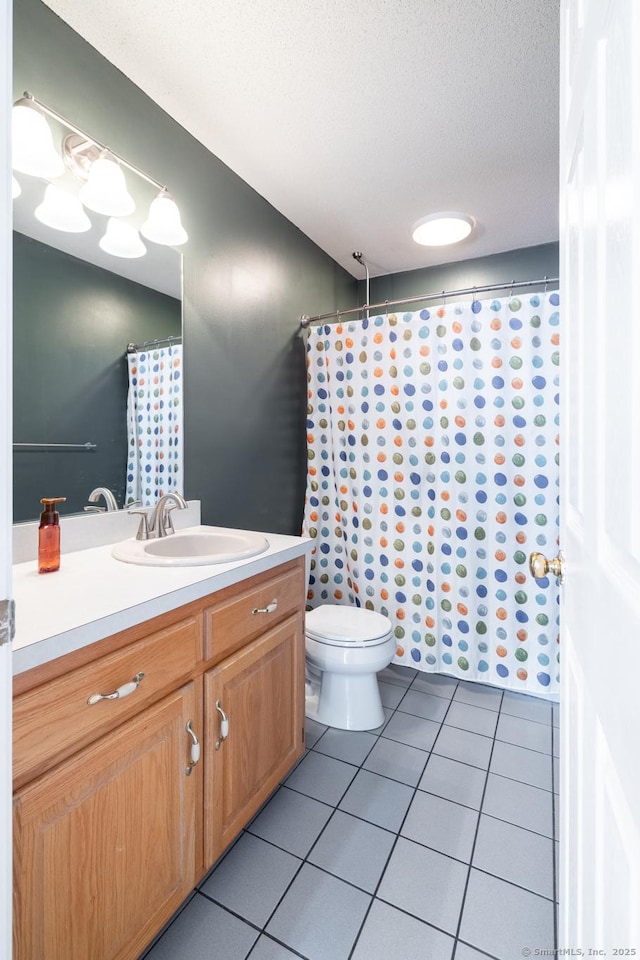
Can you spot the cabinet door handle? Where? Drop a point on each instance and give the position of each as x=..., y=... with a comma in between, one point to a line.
x=195, y=749
x=224, y=725
x=269, y=609
x=118, y=694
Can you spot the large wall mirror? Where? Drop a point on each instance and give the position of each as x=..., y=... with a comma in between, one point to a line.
x=76, y=310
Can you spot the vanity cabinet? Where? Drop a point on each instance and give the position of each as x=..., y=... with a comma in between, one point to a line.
x=259, y=693
x=116, y=815
x=54, y=720
x=104, y=844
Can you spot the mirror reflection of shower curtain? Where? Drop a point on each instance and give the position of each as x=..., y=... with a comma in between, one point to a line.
x=432, y=474
x=154, y=424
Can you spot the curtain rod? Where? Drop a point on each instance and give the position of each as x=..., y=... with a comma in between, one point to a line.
x=336, y=315
x=57, y=446
x=135, y=347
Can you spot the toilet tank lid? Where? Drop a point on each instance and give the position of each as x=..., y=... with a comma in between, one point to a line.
x=339, y=622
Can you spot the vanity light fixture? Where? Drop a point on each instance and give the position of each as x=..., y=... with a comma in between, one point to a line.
x=32, y=141
x=62, y=211
x=441, y=229
x=122, y=240
x=163, y=223
x=16, y=189
x=104, y=190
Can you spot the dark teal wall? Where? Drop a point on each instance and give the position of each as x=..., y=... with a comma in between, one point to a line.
x=248, y=275
x=529, y=263
x=72, y=322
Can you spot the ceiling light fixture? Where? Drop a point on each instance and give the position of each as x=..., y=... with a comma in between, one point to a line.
x=104, y=190
x=62, y=211
x=441, y=229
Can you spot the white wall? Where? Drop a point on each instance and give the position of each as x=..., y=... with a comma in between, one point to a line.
x=5, y=474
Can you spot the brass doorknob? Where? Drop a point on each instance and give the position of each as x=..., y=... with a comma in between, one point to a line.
x=540, y=566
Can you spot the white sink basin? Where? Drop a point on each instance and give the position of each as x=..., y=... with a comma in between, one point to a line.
x=194, y=546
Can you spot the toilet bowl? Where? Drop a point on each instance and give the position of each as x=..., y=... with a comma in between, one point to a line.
x=345, y=648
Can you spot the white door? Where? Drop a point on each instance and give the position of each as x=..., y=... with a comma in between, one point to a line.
x=5, y=474
x=600, y=535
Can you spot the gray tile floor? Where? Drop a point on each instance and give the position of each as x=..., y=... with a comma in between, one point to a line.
x=431, y=838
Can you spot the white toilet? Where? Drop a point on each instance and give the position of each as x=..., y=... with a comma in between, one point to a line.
x=346, y=647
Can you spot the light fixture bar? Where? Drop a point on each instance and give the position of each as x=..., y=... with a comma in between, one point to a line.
x=102, y=146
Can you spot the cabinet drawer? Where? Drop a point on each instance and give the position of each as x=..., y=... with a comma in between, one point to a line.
x=54, y=720
x=245, y=615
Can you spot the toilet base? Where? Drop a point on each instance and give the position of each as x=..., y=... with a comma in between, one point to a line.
x=347, y=702
x=311, y=697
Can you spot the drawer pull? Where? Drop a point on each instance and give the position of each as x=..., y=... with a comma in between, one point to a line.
x=195, y=749
x=118, y=694
x=224, y=725
x=270, y=609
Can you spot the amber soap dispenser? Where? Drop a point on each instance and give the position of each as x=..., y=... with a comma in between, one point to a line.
x=49, y=536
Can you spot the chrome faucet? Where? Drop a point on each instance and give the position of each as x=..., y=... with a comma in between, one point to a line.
x=109, y=499
x=160, y=522
x=157, y=522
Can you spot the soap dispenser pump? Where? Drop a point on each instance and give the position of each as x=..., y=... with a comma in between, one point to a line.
x=49, y=536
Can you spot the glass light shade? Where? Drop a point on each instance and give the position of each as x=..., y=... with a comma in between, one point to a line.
x=16, y=189
x=62, y=211
x=32, y=142
x=122, y=240
x=441, y=229
x=106, y=190
x=163, y=222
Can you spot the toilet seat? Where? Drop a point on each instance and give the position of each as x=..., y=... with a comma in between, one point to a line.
x=335, y=625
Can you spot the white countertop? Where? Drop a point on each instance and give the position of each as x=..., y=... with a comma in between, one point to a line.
x=93, y=595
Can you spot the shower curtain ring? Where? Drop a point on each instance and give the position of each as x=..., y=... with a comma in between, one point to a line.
x=546, y=282
x=511, y=290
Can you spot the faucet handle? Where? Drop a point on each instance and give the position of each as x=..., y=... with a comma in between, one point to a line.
x=168, y=519
x=143, y=529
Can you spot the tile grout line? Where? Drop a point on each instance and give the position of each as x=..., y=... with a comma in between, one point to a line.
x=473, y=846
x=396, y=834
x=429, y=754
x=305, y=860
x=418, y=843
x=273, y=939
x=250, y=923
x=393, y=847
x=146, y=952
x=416, y=789
x=499, y=713
x=476, y=838
x=372, y=896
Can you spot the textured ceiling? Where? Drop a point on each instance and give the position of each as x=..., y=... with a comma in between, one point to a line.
x=356, y=119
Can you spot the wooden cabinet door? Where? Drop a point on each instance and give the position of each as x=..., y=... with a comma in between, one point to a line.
x=261, y=691
x=105, y=842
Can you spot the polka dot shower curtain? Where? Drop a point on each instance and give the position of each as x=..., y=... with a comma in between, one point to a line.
x=432, y=474
x=154, y=424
